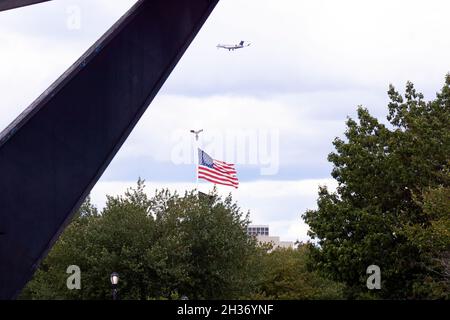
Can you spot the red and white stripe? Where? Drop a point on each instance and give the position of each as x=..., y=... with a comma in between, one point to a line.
x=222, y=173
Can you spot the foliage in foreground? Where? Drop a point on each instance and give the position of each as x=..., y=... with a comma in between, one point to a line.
x=392, y=206
x=163, y=246
x=284, y=275
x=168, y=246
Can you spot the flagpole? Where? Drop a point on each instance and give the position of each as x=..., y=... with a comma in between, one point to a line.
x=197, y=146
x=197, y=186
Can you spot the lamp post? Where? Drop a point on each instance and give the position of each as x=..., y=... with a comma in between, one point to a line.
x=114, y=282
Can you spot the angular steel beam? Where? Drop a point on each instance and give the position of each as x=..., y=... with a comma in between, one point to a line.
x=12, y=4
x=56, y=150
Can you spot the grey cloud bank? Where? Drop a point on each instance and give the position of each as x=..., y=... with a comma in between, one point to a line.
x=310, y=64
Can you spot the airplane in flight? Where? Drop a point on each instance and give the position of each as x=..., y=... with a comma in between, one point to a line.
x=233, y=47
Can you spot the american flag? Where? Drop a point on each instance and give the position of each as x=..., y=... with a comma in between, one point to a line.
x=216, y=171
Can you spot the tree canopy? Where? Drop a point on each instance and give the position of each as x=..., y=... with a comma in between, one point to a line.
x=162, y=247
x=391, y=207
x=168, y=246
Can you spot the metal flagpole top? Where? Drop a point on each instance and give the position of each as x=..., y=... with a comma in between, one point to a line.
x=197, y=133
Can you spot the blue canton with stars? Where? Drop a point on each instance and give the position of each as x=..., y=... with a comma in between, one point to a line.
x=204, y=159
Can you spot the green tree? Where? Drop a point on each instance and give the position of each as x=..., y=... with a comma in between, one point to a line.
x=383, y=174
x=216, y=250
x=284, y=274
x=162, y=247
x=433, y=241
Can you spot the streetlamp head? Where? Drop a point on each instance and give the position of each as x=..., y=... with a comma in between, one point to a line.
x=114, y=278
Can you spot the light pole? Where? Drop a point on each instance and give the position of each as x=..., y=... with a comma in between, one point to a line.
x=114, y=282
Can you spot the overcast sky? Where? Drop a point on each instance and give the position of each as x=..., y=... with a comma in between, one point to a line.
x=310, y=64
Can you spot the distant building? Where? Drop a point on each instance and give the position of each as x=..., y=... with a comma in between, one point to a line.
x=258, y=230
x=261, y=232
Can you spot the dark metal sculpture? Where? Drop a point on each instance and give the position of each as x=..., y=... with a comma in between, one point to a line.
x=56, y=150
x=12, y=4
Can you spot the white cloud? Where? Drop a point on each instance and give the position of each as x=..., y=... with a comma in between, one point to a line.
x=303, y=137
x=300, y=46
